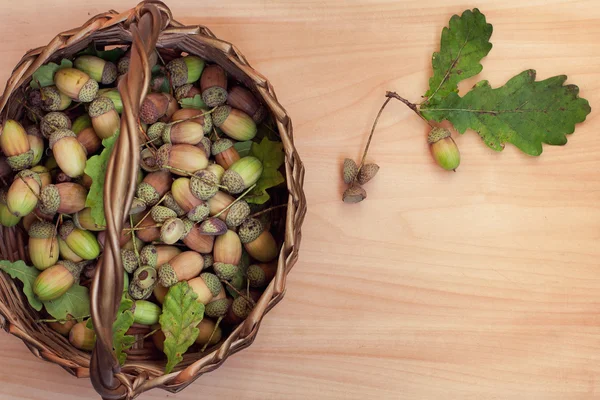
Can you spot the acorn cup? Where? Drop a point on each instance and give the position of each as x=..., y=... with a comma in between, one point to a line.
x=156, y=255
x=187, y=91
x=69, y=153
x=154, y=186
x=81, y=337
x=53, y=99
x=105, y=118
x=62, y=198
x=228, y=248
x=148, y=160
x=66, y=253
x=100, y=70
x=218, y=203
x=155, y=132
x=182, y=267
x=239, y=311
x=237, y=214
x=195, y=240
x=234, y=123
x=53, y=282
x=354, y=194
x=187, y=132
x=161, y=214
x=208, y=260
x=145, y=277
x=83, y=220
x=349, y=171
x=6, y=217
x=213, y=227
x=43, y=245
x=205, y=144
x=54, y=121
x=114, y=96
x=170, y=202
x=241, y=98
x=185, y=157
x=225, y=154
x=225, y=271
x=193, y=115
x=154, y=107
x=208, y=332
x=22, y=196
x=366, y=173
x=206, y=286
x=89, y=139
x=76, y=84
x=171, y=230
x=15, y=145
x=83, y=243
x=204, y=184
x=258, y=242
x=259, y=275
x=129, y=260
x=185, y=70
x=213, y=84
x=443, y=148
x=146, y=312
x=242, y=174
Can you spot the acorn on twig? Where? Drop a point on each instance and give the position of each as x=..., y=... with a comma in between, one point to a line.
x=443, y=148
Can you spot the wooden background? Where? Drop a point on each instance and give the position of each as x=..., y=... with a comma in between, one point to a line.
x=480, y=284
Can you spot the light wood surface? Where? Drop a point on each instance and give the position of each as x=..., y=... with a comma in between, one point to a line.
x=480, y=284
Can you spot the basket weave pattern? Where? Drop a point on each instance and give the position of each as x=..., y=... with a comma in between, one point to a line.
x=148, y=26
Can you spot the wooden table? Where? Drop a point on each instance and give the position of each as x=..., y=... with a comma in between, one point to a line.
x=480, y=284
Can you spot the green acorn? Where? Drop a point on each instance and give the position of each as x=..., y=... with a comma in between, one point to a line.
x=115, y=96
x=7, y=218
x=54, y=121
x=354, y=194
x=63, y=198
x=81, y=337
x=76, y=84
x=217, y=170
x=53, y=282
x=213, y=84
x=234, y=123
x=83, y=220
x=241, y=98
x=350, y=171
x=53, y=99
x=204, y=184
x=187, y=91
x=184, y=157
x=154, y=186
x=225, y=271
x=155, y=133
x=161, y=213
x=171, y=203
x=22, y=196
x=182, y=267
x=187, y=132
x=83, y=243
x=105, y=118
x=184, y=70
x=199, y=213
x=129, y=260
x=36, y=144
x=366, y=173
x=145, y=277
x=444, y=149
x=98, y=69
x=225, y=154
x=69, y=152
x=213, y=227
x=228, y=248
x=171, y=230
x=243, y=174
x=217, y=308
x=146, y=312
x=66, y=253
x=82, y=122
x=237, y=214
x=43, y=245
x=258, y=242
x=259, y=275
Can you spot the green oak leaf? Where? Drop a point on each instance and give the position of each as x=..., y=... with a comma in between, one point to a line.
x=464, y=43
x=95, y=167
x=123, y=321
x=75, y=302
x=26, y=274
x=271, y=155
x=44, y=76
x=179, y=320
x=243, y=148
x=523, y=112
x=194, y=102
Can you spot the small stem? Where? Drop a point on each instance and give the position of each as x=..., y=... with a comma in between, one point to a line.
x=143, y=227
x=235, y=201
x=146, y=336
x=135, y=250
x=160, y=57
x=248, y=299
x=192, y=117
x=149, y=211
x=410, y=105
x=267, y=210
x=212, y=334
x=32, y=191
x=362, y=161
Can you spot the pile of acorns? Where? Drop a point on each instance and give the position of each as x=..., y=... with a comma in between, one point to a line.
x=187, y=224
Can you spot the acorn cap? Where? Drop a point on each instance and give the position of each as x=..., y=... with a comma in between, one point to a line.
x=138, y=293
x=250, y=230
x=21, y=161
x=225, y=271
x=233, y=181
x=221, y=145
x=41, y=230
x=100, y=106
x=203, y=184
x=169, y=201
x=147, y=193
x=350, y=170
x=213, y=227
x=185, y=70
x=155, y=132
x=241, y=307
x=53, y=99
x=220, y=115
x=53, y=121
x=206, y=144
x=354, y=194
x=129, y=259
x=237, y=214
x=149, y=255
x=256, y=276
x=137, y=206
x=167, y=276
x=366, y=173
x=60, y=134
x=145, y=277
x=199, y=213
x=50, y=200
x=123, y=65
x=214, y=96
x=217, y=308
x=208, y=260
x=161, y=213
x=187, y=227
x=212, y=282
x=171, y=230
x=163, y=154
x=436, y=134
x=183, y=91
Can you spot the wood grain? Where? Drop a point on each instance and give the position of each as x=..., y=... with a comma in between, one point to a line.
x=480, y=284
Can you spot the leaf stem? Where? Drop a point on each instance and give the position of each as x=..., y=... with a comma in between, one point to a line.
x=410, y=105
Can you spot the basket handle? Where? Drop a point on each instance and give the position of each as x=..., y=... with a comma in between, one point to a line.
x=119, y=188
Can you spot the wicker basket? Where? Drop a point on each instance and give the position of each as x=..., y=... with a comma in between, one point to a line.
x=148, y=26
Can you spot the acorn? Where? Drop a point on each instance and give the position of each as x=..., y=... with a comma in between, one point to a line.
x=258, y=242
x=213, y=84
x=259, y=275
x=367, y=172
x=69, y=153
x=187, y=91
x=54, y=121
x=225, y=271
x=63, y=198
x=161, y=213
x=82, y=122
x=206, y=286
x=89, y=140
x=193, y=115
x=129, y=245
x=44, y=175
x=83, y=243
x=204, y=184
x=148, y=160
x=217, y=170
x=76, y=84
x=154, y=186
x=185, y=70
x=114, y=96
x=241, y=98
x=43, y=245
x=63, y=327
x=15, y=145
x=208, y=260
x=6, y=217
x=218, y=203
x=23, y=194
x=138, y=293
x=187, y=132
x=156, y=255
x=66, y=253
x=182, y=157
x=239, y=311
x=129, y=260
x=217, y=308
x=228, y=248
x=81, y=337
x=206, y=334
x=199, y=213
x=234, y=123
x=182, y=267
x=195, y=240
x=213, y=227
x=160, y=292
x=154, y=107
x=36, y=144
x=170, y=202
x=53, y=282
x=225, y=154
x=102, y=71
x=83, y=220
x=350, y=171
x=237, y=214
x=354, y=194
x=137, y=206
x=171, y=230
x=172, y=107
x=242, y=174
x=123, y=64
x=146, y=313
x=155, y=133
x=145, y=277
x=105, y=118
x=443, y=148
x=205, y=144
x=53, y=99
x=148, y=232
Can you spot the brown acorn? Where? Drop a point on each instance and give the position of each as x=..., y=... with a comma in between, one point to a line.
x=63, y=198
x=22, y=196
x=102, y=71
x=354, y=194
x=208, y=332
x=185, y=70
x=53, y=99
x=187, y=132
x=156, y=255
x=213, y=84
x=172, y=107
x=219, y=202
x=43, y=245
x=105, y=118
x=69, y=153
x=228, y=248
x=183, y=267
x=234, y=123
x=76, y=84
x=207, y=286
x=63, y=327
x=83, y=220
x=81, y=337
x=86, y=181
x=187, y=91
x=171, y=230
x=183, y=196
x=258, y=242
x=54, y=121
x=195, y=240
x=366, y=173
x=241, y=98
x=154, y=186
x=154, y=107
x=160, y=292
x=149, y=232
x=183, y=157
x=350, y=171
x=89, y=139
x=259, y=275
x=225, y=154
